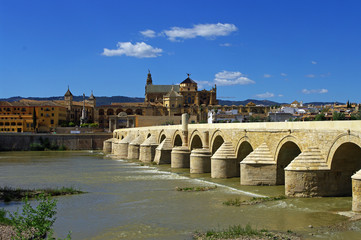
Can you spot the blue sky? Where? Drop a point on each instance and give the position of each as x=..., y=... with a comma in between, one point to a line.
x=275, y=50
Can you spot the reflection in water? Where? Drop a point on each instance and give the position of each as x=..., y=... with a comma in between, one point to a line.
x=129, y=201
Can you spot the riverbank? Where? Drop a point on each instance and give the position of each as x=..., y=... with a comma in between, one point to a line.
x=24, y=141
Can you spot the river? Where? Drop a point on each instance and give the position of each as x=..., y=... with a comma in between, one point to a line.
x=128, y=201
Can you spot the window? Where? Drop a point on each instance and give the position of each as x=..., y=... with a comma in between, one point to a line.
x=52, y=114
x=51, y=121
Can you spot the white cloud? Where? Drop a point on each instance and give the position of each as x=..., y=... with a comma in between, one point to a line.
x=310, y=75
x=225, y=44
x=280, y=95
x=226, y=78
x=265, y=95
x=200, y=30
x=311, y=91
x=313, y=62
x=138, y=50
x=148, y=33
x=266, y=75
x=283, y=74
x=203, y=84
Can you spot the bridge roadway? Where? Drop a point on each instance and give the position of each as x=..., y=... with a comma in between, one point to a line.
x=310, y=158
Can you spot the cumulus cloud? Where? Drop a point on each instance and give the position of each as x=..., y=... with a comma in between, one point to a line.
x=265, y=95
x=310, y=75
x=313, y=62
x=283, y=74
x=203, y=84
x=138, y=50
x=280, y=95
x=225, y=44
x=266, y=75
x=311, y=91
x=227, y=78
x=148, y=33
x=200, y=30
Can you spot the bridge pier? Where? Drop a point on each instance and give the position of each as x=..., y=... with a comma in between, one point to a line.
x=107, y=146
x=200, y=159
x=134, y=148
x=308, y=175
x=121, y=147
x=259, y=168
x=163, y=152
x=147, y=149
x=180, y=157
x=224, y=162
x=356, y=192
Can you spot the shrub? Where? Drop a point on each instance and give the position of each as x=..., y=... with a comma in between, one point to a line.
x=35, y=223
x=71, y=124
x=84, y=125
x=36, y=147
x=94, y=125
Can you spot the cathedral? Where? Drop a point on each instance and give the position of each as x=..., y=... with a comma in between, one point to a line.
x=161, y=101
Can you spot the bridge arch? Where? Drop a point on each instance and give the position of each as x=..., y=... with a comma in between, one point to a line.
x=196, y=140
x=243, y=149
x=177, y=139
x=344, y=159
x=217, y=141
x=287, y=150
x=161, y=136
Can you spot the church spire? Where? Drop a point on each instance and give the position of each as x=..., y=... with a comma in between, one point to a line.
x=149, y=78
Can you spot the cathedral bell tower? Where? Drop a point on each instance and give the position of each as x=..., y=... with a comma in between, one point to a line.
x=149, y=78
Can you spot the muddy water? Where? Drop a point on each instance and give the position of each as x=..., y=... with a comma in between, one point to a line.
x=128, y=201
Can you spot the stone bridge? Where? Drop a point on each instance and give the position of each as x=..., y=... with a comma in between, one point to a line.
x=310, y=158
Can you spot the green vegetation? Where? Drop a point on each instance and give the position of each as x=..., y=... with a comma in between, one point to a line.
x=239, y=232
x=255, y=200
x=230, y=233
x=195, y=189
x=33, y=223
x=320, y=117
x=356, y=116
x=3, y=219
x=45, y=145
x=338, y=116
x=71, y=124
x=8, y=194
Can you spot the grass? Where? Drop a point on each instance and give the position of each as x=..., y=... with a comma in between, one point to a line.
x=255, y=200
x=247, y=232
x=8, y=194
x=195, y=189
x=230, y=232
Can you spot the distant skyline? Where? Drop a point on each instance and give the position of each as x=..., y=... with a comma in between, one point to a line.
x=275, y=50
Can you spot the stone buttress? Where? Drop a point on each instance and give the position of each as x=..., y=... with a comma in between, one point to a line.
x=147, y=149
x=356, y=192
x=224, y=162
x=308, y=175
x=163, y=152
x=134, y=147
x=259, y=167
x=121, y=147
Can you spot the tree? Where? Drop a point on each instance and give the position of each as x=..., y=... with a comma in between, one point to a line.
x=338, y=116
x=34, y=120
x=320, y=117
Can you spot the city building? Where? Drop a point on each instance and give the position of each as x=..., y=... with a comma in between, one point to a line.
x=31, y=116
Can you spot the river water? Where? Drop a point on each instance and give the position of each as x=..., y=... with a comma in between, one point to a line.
x=128, y=201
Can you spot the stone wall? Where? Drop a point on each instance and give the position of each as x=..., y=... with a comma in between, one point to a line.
x=21, y=142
